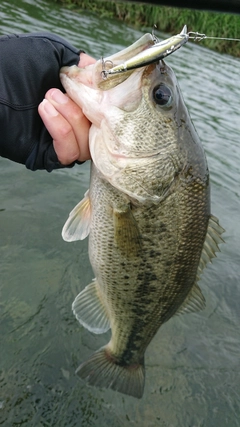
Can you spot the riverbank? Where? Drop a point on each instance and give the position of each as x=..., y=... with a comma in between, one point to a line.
x=170, y=20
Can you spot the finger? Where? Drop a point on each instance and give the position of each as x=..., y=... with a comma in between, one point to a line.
x=85, y=60
x=73, y=114
x=64, y=141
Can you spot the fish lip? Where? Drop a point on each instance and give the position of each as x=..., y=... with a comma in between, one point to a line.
x=143, y=155
x=119, y=160
x=114, y=154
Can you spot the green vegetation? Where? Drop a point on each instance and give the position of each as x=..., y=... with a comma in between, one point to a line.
x=170, y=19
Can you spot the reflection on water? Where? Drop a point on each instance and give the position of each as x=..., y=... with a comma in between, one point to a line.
x=192, y=364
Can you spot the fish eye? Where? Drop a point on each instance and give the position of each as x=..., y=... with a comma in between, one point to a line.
x=162, y=95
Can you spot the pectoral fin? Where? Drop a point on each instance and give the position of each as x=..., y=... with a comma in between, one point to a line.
x=77, y=225
x=126, y=233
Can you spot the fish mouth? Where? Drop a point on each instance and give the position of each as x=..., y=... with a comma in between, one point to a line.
x=121, y=155
x=143, y=155
x=116, y=159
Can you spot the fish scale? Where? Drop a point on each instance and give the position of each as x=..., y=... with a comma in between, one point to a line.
x=147, y=214
x=166, y=284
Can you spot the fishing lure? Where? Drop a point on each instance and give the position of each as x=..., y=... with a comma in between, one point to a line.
x=156, y=52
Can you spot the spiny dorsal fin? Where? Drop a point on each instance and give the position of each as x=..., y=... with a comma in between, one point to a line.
x=90, y=310
x=210, y=246
x=195, y=300
x=77, y=225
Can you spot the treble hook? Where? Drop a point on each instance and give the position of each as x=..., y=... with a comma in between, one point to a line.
x=104, y=72
x=155, y=39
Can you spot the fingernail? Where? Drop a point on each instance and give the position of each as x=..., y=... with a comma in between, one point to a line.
x=49, y=108
x=58, y=96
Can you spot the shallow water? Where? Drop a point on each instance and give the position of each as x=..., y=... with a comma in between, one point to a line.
x=192, y=365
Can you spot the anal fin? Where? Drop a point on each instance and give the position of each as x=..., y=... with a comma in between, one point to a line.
x=90, y=310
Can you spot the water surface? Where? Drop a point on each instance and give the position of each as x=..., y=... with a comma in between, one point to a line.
x=192, y=365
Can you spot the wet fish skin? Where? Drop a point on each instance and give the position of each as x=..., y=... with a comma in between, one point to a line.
x=148, y=217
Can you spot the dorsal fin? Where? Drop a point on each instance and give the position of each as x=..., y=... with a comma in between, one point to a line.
x=195, y=300
x=210, y=246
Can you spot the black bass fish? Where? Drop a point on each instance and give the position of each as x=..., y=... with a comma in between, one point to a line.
x=147, y=213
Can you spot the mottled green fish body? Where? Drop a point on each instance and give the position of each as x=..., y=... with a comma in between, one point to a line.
x=147, y=214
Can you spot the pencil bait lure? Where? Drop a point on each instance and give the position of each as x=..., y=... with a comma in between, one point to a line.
x=158, y=50
x=155, y=51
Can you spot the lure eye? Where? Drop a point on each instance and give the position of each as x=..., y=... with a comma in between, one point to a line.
x=162, y=95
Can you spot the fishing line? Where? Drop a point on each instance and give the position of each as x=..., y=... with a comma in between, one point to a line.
x=199, y=37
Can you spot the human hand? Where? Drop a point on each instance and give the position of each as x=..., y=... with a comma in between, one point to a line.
x=66, y=123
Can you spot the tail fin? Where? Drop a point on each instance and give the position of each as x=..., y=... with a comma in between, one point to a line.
x=101, y=370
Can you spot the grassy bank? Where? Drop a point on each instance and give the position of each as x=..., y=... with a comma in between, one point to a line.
x=169, y=19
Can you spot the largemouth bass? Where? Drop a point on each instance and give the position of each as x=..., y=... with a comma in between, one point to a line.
x=147, y=213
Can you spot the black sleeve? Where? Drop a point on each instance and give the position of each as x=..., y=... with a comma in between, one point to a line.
x=29, y=67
